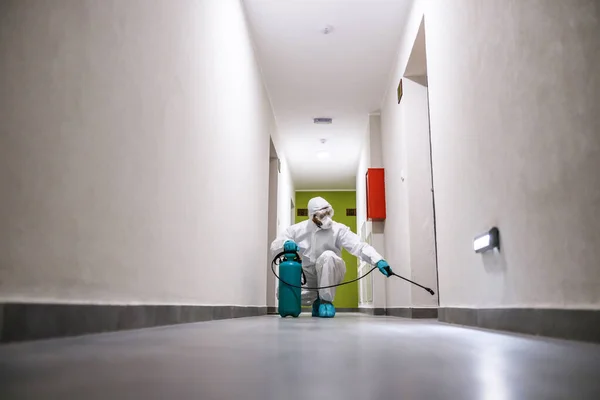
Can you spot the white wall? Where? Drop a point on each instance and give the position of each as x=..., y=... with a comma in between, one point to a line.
x=286, y=191
x=283, y=213
x=397, y=234
x=134, y=152
x=420, y=200
x=286, y=195
x=514, y=94
x=371, y=158
x=364, y=163
x=361, y=204
x=272, y=218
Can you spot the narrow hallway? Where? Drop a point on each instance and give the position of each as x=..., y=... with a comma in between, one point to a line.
x=350, y=357
x=160, y=159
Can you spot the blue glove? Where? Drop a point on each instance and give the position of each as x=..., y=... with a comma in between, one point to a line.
x=384, y=268
x=290, y=246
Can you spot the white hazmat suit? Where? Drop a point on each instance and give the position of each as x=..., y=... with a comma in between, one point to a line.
x=321, y=249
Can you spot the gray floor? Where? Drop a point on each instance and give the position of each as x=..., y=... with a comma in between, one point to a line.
x=349, y=357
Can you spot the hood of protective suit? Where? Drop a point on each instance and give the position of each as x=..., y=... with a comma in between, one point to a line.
x=319, y=209
x=315, y=204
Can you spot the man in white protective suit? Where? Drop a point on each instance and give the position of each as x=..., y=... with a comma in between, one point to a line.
x=319, y=241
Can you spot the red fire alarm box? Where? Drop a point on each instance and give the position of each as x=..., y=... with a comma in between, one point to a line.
x=375, y=194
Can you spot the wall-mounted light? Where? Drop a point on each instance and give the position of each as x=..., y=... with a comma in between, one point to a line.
x=487, y=241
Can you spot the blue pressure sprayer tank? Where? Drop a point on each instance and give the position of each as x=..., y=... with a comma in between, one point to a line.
x=290, y=298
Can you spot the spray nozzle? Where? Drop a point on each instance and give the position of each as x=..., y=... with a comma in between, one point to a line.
x=389, y=271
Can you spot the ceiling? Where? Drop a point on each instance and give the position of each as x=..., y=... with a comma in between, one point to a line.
x=342, y=75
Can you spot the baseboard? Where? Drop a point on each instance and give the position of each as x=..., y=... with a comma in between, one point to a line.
x=372, y=311
x=403, y=312
x=271, y=310
x=413, y=312
x=26, y=321
x=582, y=325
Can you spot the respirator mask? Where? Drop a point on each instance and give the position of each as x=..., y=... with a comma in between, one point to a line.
x=322, y=218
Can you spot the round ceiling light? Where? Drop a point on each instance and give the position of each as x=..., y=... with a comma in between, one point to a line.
x=327, y=30
x=322, y=155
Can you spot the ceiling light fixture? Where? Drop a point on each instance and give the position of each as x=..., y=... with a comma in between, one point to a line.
x=327, y=30
x=322, y=155
x=322, y=120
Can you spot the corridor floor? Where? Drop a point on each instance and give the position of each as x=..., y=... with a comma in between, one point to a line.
x=348, y=357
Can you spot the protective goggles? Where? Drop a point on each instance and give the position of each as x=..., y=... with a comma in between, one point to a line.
x=324, y=213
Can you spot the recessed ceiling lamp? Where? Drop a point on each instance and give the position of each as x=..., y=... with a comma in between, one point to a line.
x=323, y=154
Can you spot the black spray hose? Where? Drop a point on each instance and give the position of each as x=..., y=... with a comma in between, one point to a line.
x=277, y=260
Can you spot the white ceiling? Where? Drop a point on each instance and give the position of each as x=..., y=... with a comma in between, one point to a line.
x=342, y=75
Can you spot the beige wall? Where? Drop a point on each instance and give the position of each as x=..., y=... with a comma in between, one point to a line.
x=134, y=148
x=514, y=94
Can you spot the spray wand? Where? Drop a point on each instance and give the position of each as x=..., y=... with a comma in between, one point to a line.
x=296, y=257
